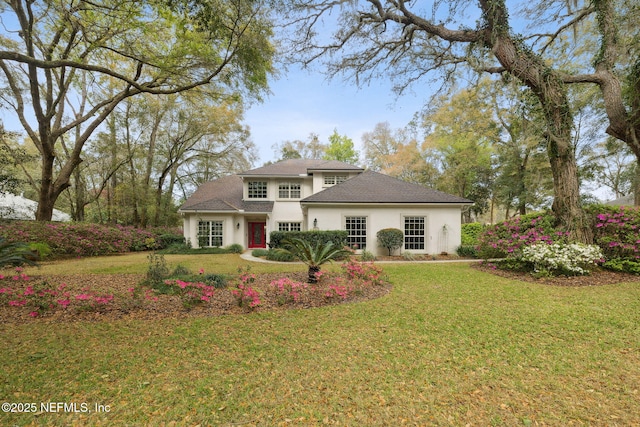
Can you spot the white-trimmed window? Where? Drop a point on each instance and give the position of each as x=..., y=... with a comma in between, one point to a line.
x=257, y=189
x=210, y=233
x=334, y=179
x=289, y=190
x=289, y=226
x=414, y=227
x=356, y=227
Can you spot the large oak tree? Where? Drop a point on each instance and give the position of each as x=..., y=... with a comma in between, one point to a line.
x=135, y=47
x=408, y=40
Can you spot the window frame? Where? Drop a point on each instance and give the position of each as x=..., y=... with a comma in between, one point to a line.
x=287, y=187
x=290, y=226
x=210, y=232
x=261, y=192
x=334, y=179
x=415, y=238
x=360, y=237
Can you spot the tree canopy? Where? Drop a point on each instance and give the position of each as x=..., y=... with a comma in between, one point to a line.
x=409, y=41
x=56, y=56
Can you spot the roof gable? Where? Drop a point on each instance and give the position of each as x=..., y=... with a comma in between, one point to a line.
x=374, y=187
x=224, y=194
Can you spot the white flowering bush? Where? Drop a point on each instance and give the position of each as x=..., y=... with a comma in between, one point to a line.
x=559, y=258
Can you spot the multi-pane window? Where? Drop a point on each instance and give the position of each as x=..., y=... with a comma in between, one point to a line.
x=356, y=227
x=257, y=190
x=210, y=233
x=289, y=190
x=414, y=232
x=289, y=226
x=334, y=179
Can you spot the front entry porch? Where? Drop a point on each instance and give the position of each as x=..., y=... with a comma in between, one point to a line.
x=257, y=235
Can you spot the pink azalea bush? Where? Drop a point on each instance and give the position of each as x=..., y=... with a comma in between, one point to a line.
x=288, y=291
x=362, y=273
x=18, y=292
x=507, y=238
x=245, y=294
x=616, y=230
x=338, y=290
x=84, y=239
x=191, y=293
x=41, y=297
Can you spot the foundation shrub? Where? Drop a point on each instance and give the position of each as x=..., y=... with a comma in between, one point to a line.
x=235, y=248
x=390, y=239
x=259, y=253
x=276, y=255
x=277, y=239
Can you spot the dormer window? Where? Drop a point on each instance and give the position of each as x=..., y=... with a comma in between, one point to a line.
x=330, y=180
x=257, y=190
x=289, y=190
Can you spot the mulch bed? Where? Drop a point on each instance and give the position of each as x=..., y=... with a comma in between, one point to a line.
x=223, y=302
x=597, y=277
x=152, y=307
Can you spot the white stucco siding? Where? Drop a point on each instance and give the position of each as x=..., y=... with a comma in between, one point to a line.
x=285, y=211
x=441, y=223
x=230, y=232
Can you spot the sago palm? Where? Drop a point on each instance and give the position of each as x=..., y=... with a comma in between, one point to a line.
x=313, y=255
x=15, y=254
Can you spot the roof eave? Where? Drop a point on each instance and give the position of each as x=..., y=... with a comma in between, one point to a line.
x=303, y=202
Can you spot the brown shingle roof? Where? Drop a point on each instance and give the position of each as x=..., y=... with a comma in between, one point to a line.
x=297, y=167
x=224, y=194
x=374, y=187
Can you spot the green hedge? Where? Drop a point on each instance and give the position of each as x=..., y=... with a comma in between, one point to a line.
x=337, y=237
x=470, y=233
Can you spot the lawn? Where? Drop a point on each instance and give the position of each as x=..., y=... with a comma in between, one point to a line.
x=450, y=345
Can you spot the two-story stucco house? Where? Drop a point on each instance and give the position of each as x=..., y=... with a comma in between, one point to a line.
x=300, y=194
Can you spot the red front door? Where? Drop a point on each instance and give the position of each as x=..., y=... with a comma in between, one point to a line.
x=257, y=235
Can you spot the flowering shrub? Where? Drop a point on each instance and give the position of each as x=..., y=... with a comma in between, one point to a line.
x=41, y=297
x=558, y=258
x=357, y=276
x=245, y=295
x=338, y=291
x=190, y=293
x=89, y=301
x=506, y=239
x=82, y=239
x=287, y=291
x=18, y=293
x=362, y=273
x=617, y=232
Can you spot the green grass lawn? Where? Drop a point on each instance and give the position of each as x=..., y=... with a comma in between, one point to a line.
x=449, y=346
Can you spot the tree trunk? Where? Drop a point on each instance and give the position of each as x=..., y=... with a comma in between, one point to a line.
x=80, y=196
x=50, y=189
x=311, y=274
x=546, y=84
x=635, y=184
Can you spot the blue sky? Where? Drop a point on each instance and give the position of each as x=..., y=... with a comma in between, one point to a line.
x=304, y=102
